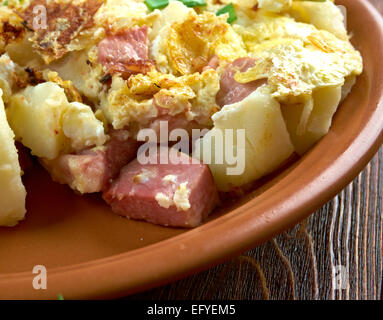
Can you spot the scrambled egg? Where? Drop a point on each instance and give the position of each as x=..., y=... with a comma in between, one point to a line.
x=61, y=98
x=118, y=14
x=180, y=198
x=275, y=5
x=186, y=45
x=132, y=101
x=7, y=79
x=297, y=58
x=297, y=49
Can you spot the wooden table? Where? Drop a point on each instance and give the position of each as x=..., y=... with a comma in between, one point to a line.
x=334, y=254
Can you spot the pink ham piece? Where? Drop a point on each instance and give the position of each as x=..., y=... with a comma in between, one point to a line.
x=176, y=121
x=176, y=195
x=92, y=170
x=232, y=91
x=125, y=52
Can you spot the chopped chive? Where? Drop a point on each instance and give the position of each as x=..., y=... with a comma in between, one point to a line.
x=194, y=3
x=156, y=4
x=230, y=10
x=5, y=3
x=60, y=297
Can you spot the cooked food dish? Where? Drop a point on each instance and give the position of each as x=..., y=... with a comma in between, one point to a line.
x=85, y=84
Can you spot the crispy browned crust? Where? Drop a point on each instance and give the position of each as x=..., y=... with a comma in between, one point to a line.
x=28, y=77
x=11, y=32
x=11, y=29
x=65, y=20
x=70, y=90
x=132, y=67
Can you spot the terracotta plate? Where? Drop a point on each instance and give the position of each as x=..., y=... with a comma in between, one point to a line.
x=89, y=252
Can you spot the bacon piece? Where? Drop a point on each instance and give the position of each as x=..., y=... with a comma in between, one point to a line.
x=177, y=195
x=125, y=52
x=232, y=91
x=92, y=170
x=64, y=21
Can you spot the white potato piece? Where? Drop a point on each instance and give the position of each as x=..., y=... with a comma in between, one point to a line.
x=35, y=115
x=349, y=82
x=75, y=66
x=17, y=52
x=7, y=76
x=266, y=145
x=326, y=101
x=44, y=121
x=12, y=196
x=323, y=15
x=81, y=126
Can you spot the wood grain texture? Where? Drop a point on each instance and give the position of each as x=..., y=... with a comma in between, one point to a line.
x=337, y=253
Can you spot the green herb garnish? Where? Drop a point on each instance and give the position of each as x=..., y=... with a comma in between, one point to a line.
x=230, y=10
x=194, y=3
x=60, y=297
x=156, y=4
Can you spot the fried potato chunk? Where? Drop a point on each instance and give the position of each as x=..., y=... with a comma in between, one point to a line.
x=12, y=196
x=44, y=121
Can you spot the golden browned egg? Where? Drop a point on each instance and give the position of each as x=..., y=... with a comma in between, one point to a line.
x=278, y=69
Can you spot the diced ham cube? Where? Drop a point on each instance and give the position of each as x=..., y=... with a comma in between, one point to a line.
x=232, y=91
x=92, y=170
x=84, y=172
x=177, y=195
x=120, y=150
x=125, y=52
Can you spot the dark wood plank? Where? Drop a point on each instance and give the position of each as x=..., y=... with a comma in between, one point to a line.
x=345, y=235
